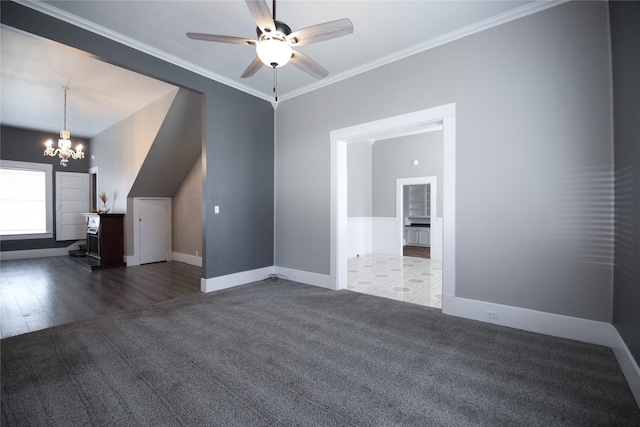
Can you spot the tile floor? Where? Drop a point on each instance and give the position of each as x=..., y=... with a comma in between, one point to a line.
x=414, y=280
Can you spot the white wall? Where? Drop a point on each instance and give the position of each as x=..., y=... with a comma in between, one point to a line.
x=534, y=154
x=120, y=151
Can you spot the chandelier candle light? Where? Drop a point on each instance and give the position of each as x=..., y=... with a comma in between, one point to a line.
x=64, y=143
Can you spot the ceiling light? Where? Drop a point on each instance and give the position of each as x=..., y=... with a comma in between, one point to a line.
x=273, y=52
x=64, y=143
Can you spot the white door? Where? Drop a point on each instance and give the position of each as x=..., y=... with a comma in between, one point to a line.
x=72, y=200
x=154, y=221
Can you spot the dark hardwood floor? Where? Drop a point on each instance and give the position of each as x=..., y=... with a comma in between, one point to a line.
x=416, y=251
x=44, y=292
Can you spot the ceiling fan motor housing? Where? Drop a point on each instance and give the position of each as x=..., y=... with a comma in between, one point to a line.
x=275, y=40
x=281, y=28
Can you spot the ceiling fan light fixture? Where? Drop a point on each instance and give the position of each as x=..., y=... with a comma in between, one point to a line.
x=273, y=52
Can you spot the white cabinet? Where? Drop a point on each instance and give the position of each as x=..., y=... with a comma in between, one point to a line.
x=411, y=235
x=424, y=236
x=417, y=200
x=417, y=236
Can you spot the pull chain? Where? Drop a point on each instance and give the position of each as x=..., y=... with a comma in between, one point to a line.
x=275, y=83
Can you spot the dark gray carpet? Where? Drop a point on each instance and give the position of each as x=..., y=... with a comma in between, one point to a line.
x=279, y=353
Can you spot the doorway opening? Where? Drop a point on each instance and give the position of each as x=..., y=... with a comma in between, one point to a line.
x=406, y=124
x=427, y=224
x=93, y=189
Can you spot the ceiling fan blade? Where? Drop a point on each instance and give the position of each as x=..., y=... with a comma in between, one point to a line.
x=321, y=32
x=221, y=39
x=261, y=14
x=252, y=68
x=308, y=65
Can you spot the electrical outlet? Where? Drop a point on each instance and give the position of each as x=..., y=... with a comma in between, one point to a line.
x=492, y=314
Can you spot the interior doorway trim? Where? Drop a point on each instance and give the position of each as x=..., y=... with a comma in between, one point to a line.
x=404, y=124
x=400, y=183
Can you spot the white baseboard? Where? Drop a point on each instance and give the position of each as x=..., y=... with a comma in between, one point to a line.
x=132, y=260
x=188, y=259
x=590, y=331
x=244, y=277
x=574, y=328
x=627, y=363
x=38, y=253
x=235, y=279
x=308, y=278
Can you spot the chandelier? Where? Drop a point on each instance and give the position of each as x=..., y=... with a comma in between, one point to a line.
x=64, y=143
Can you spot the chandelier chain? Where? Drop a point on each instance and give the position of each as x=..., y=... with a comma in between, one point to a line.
x=64, y=149
x=65, y=107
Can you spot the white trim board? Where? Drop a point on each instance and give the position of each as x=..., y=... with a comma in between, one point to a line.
x=38, y=253
x=557, y=325
x=188, y=259
x=627, y=363
x=306, y=277
x=245, y=277
x=502, y=18
x=235, y=279
x=574, y=328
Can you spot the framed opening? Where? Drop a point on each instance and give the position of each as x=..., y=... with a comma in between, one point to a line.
x=406, y=124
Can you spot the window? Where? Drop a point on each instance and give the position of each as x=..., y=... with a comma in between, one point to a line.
x=26, y=207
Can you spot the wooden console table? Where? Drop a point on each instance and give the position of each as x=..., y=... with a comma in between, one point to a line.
x=105, y=242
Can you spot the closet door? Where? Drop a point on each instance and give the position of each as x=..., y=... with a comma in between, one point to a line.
x=155, y=228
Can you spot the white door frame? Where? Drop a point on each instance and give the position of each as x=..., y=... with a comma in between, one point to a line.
x=93, y=192
x=404, y=124
x=400, y=183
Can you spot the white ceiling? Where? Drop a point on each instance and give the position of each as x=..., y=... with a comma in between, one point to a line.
x=33, y=70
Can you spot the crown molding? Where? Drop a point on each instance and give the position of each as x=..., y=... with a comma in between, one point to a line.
x=503, y=18
x=494, y=21
x=132, y=43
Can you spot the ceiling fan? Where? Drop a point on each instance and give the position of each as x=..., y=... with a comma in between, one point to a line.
x=275, y=40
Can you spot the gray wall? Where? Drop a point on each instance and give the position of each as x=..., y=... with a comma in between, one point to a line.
x=625, y=46
x=27, y=145
x=534, y=139
x=359, y=179
x=121, y=150
x=392, y=159
x=175, y=148
x=186, y=215
x=237, y=146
